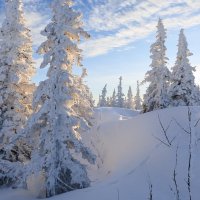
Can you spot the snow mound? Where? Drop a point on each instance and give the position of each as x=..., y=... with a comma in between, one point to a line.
x=107, y=114
x=148, y=156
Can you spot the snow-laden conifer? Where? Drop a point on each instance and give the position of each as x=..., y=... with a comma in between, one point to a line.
x=137, y=99
x=183, y=91
x=158, y=77
x=114, y=99
x=103, y=98
x=54, y=123
x=108, y=101
x=120, y=95
x=84, y=102
x=16, y=71
x=129, y=102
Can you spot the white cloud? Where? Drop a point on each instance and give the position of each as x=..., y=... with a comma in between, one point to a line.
x=115, y=24
x=129, y=20
x=121, y=38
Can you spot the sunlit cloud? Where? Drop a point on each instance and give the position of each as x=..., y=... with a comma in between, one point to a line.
x=130, y=20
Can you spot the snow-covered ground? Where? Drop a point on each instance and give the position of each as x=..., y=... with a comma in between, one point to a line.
x=141, y=157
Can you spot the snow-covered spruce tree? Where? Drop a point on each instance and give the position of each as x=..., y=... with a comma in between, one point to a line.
x=16, y=71
x=92, y=100
x=103, y=99
x=129, y=102
x=125, y=102
x=83, y=102
x=120, y=95
x=158, y=77
x=54, y=122
x=137, y=99
x=108, y=101
x=183, y=91
x=114, y=99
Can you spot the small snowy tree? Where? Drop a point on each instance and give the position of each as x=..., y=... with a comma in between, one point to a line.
x=156, y=96
x=83, y=102
x=16, y=71
x=183, y=91
x=114, y=99
x=120, y=95
x=129, y=102
x=54, y=122
x=137, y=99
x=108, y=102
x=103, y=99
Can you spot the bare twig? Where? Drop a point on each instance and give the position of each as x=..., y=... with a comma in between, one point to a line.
x=168, y=142
x=165, y=130
x=173, y=139
x=190, y=154
x=196, y=124
x=118, y=194
x=150, y=187
x=191, y=133
x=175, y=177
x=181, y=126
x=150, y=191
x=189, y=176
x=161, y=141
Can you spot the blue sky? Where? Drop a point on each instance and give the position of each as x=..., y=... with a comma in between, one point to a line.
x=122, y=32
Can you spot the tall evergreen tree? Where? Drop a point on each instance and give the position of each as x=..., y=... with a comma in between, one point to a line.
x=156, y=94
x=120, y=95
x=183, y=91
x=16, y=71
x=130, y=103
x=114, y=99
x=54, y=121
x=103, y=98
x=137, y=99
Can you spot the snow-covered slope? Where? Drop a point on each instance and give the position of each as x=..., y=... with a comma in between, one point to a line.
x=146, y=156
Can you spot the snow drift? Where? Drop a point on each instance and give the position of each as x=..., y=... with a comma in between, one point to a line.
x=142, y=156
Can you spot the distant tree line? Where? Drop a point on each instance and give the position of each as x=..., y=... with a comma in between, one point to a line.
x=119, y=99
